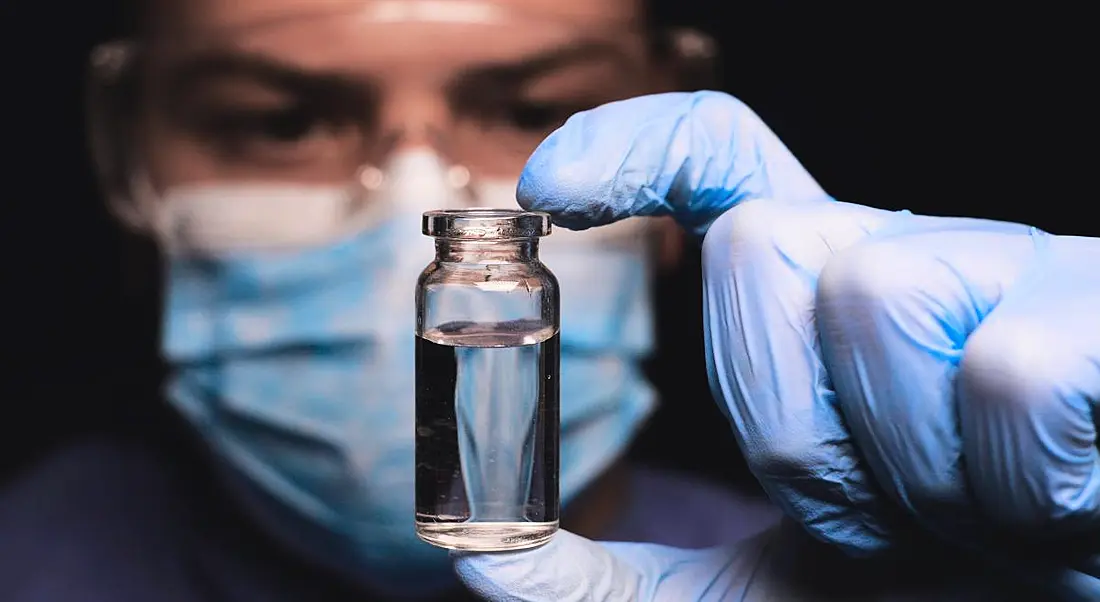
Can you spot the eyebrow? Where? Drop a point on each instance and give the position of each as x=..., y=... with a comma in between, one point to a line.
x=512, y=74
x=264, y=70
x=279, y=74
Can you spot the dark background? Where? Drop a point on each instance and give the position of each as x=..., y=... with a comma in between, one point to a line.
x=902, y=106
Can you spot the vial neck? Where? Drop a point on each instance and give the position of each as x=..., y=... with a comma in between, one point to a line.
x=524, y=250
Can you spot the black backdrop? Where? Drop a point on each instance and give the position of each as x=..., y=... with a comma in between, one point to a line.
x=900, y=106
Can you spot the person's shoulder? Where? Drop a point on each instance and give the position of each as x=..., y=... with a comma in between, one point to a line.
x=93, y=474
x=85, y=522
x=682, y=510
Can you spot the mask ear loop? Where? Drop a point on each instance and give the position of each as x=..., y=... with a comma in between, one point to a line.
x=111, y=86
x=108, y=80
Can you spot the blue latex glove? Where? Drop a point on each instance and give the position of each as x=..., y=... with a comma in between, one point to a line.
x=860, y=354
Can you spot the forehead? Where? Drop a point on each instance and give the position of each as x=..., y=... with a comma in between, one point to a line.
x=213, y=14
x=394, y=35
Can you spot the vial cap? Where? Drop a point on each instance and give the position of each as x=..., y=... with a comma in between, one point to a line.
x=485, y=224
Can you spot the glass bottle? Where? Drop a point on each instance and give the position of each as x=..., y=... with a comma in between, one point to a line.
x=487, y=360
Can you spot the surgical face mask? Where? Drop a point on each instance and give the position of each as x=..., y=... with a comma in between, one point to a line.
x=289, y=327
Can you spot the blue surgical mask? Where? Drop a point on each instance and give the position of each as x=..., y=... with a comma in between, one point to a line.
x=295, y=362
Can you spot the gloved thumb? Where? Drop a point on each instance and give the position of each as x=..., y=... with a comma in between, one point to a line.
x=569, y=568
x=573, y=569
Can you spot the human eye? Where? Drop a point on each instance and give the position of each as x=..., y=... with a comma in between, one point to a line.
x=284, y=133
x=538, y=116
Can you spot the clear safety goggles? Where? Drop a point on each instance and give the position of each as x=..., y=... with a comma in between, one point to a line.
x=326, y=97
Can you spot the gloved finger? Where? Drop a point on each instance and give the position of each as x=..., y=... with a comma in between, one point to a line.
x=1028, y=392
x=777, y=565
x=689, y=156
x=568, y=568
x=761, y=262
x=573, y=569
x=895, y=313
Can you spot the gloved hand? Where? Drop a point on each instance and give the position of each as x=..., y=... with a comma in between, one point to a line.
x=880, y=369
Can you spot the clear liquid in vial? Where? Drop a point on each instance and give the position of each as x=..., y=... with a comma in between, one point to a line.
x=487, y=435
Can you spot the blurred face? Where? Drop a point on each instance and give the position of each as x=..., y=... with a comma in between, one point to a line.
x=256, y=122
x=274, y=91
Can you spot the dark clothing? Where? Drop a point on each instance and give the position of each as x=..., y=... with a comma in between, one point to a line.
x=112, y=521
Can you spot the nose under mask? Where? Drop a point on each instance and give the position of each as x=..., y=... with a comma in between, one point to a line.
x=319, y=445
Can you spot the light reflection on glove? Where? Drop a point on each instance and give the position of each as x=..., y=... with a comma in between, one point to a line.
x=861, y=355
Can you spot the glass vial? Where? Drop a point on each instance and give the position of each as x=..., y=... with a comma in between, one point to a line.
x=487, y=359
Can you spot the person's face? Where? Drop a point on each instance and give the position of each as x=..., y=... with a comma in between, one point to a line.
x=310, y=93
